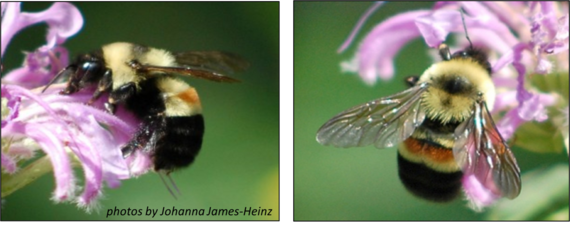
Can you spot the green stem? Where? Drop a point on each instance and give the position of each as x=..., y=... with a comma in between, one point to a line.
x=11, y=183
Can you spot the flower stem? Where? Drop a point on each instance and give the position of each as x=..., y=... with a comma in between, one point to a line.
x=11, y=183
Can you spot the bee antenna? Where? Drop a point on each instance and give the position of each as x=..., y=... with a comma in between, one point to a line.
x=56, y=77
x=462, y=11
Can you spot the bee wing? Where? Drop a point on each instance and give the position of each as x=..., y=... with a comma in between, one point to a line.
x=480, y=150
x=214, y=61
x=384, y=122
x=189, y=71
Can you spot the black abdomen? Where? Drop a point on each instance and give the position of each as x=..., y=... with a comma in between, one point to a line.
x=427, y=183
x=176, y=139
x=180, y=143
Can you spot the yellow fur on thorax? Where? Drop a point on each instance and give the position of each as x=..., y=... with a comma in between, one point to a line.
x=461, y=105
x=116, y=56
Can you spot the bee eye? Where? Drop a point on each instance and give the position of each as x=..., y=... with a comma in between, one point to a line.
x=89, y=71
x=461, y=54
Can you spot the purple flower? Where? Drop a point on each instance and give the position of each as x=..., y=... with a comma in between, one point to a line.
x=68, y=132
x=523, y=39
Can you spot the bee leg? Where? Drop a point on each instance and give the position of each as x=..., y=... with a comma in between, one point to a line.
x=150, y=131
x=105, y=85
x=111, y=108
x=73, y=81
x=129, y=148
x=119, y=95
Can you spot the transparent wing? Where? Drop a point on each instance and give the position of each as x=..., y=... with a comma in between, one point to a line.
x=214, y=61
x=481, y=151
x=383, y=122
x=187, y=71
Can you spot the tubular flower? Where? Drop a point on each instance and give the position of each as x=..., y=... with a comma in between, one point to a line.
x=44, y=132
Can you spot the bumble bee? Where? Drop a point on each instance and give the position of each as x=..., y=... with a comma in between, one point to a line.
x=442, y=127
x=143, y=79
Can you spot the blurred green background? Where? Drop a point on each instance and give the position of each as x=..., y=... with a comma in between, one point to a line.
x=362, y=183
x=238, y=164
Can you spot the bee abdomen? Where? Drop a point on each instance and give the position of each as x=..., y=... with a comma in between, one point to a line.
x=180, y=144
x=428, y=183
